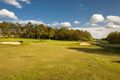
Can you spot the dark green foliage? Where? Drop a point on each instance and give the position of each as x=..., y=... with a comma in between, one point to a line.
x=4, y=29
x=113, y=37
x=42, y=32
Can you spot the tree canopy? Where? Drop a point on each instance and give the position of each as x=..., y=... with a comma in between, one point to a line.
x=42, y=32
x=113, y=37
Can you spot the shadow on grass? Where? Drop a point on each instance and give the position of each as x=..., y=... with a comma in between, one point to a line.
x=116, y=62
x=97, y=51
x=107, y=46
x=99, y=48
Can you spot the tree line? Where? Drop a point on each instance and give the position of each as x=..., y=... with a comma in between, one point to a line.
x=113, y=37
x=41, y=32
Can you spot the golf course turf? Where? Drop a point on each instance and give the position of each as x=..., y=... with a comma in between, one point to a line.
x=58, y=60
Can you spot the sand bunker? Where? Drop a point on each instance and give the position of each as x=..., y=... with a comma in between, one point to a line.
x=84, y=43
x=11, y=43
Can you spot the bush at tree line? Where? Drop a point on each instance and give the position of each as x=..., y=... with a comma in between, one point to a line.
x=42, y=32
x=113, y=37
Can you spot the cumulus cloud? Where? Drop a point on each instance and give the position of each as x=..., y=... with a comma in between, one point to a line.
x=7, y=14
x=94, y=25
x=77, y=22
x=66, y=24
x=54, y=24
x=100, y=26
x=26, y=21
x=59, y=25
x=112, y=25
x=113, y=21
x=15, y=2
x=26, y=1
x=99, y=32
x=108, y=21
x=97, y=18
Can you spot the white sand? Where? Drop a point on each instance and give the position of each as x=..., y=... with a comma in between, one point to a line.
x=84, y=43
x=12, y=43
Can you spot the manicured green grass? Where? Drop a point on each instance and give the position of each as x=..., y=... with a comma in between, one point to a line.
x=58, y=60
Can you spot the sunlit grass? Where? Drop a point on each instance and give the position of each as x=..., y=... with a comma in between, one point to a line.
x=57, y=60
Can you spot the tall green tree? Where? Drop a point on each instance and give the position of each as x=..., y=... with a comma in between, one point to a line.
x=113, y=37
x=5, y=29
x=42, y=32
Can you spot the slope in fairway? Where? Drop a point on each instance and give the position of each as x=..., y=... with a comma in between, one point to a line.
x=58, y=60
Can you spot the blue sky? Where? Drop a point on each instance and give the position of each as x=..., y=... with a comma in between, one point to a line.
x=64, y=10
x=55, y=12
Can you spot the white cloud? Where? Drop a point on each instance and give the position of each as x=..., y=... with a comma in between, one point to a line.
x=15, y=2
x=99, y=32
x=26, y=1
x=66, y=24
x=109, y=22
x=1, y=21
x=32, y=21
x=77, y=22
x=87, y=24
x=113, y=21
x=59, y=25
x=7, y=14
x=97, y=18
x=94, y=25
x=100, y=26
x=54, y=24
x=112, y=25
